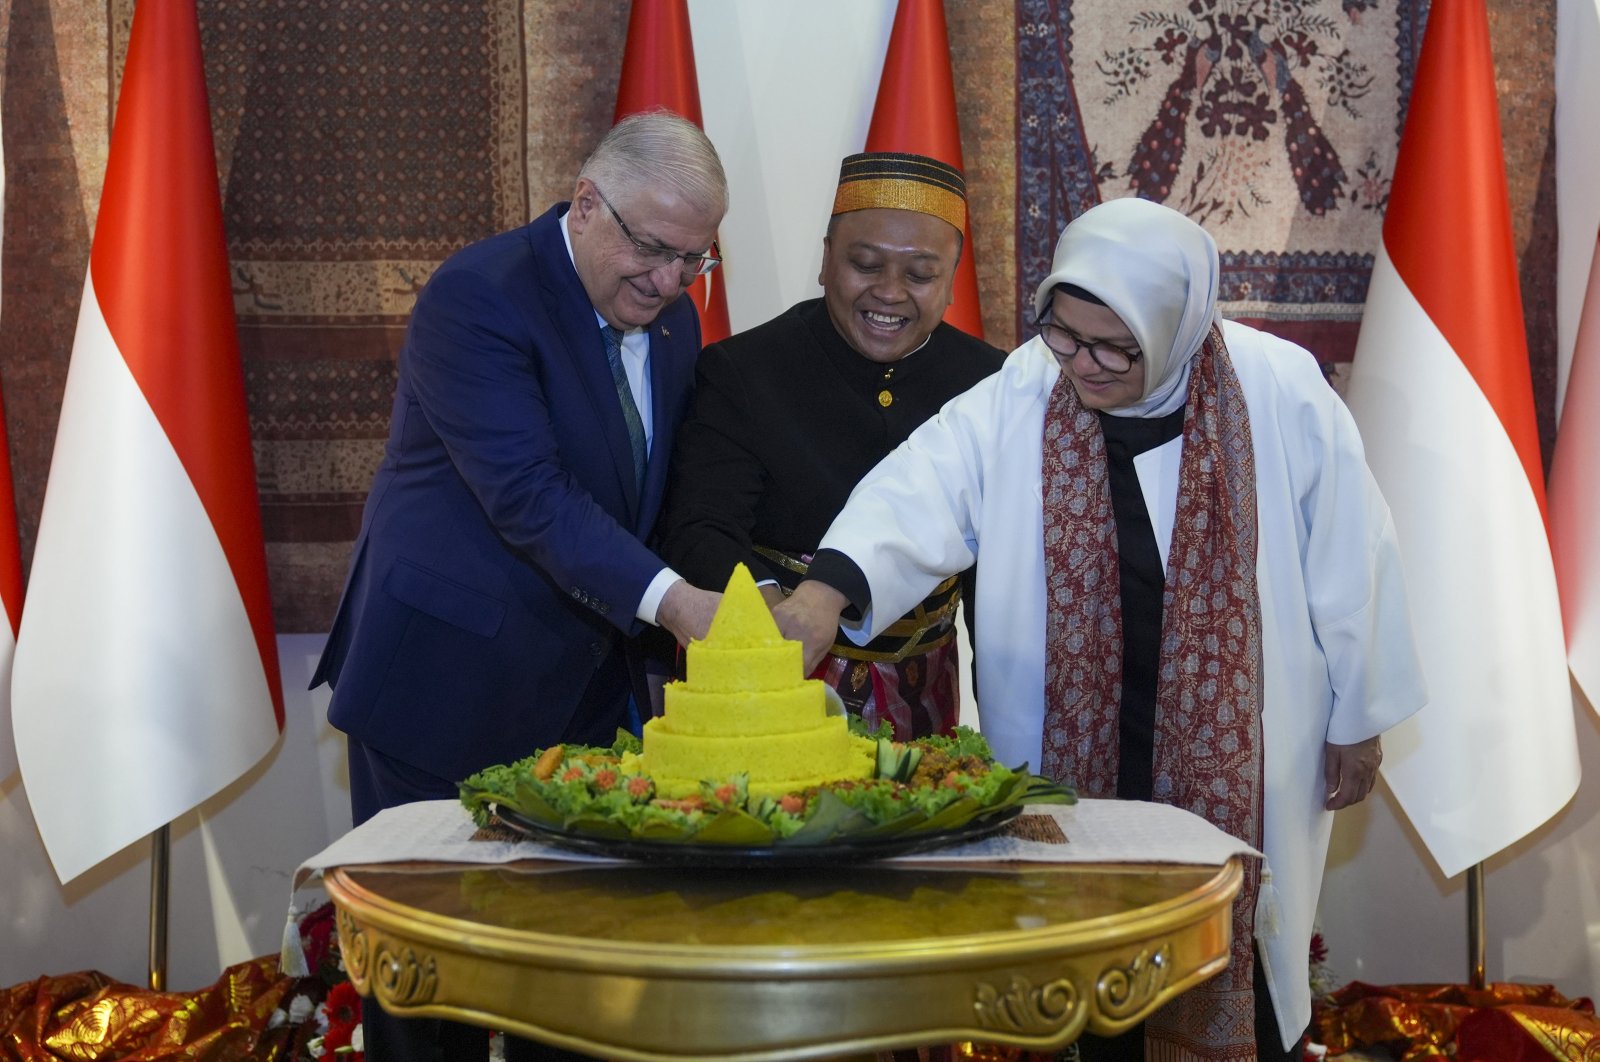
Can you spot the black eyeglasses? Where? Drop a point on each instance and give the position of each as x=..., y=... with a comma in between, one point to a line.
x=655, y=256
x=1064, y=343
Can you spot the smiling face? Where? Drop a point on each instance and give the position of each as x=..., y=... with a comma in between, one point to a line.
x=887, y=277
x=625, y=291
x=1093, y=323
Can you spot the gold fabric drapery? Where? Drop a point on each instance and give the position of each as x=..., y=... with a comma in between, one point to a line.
x=1496, y=1023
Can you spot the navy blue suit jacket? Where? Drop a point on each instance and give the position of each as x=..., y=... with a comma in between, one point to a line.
x=491, y=600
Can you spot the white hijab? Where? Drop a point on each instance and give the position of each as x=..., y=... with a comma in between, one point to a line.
x=1155, y=269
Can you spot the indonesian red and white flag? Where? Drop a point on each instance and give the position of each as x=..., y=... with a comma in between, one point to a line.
x=1575, y=496
x=658, y=71
x=1442, y=391
x=1575, y=465
x=146, y=674
x=10, y=581
x=916, y=112
x=10, y=594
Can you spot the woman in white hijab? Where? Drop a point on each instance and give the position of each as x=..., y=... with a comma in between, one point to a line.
x=1188, y=581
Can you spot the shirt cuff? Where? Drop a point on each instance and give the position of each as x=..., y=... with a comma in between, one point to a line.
x=650, y=603
x=844, y=575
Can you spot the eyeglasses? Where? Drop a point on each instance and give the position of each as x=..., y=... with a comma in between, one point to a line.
x=655, y=256
x=1065, y=344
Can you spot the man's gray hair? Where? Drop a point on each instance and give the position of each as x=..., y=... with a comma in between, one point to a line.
x=659, y=147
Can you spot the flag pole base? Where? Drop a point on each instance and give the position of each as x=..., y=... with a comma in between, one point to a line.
x=1476, y=928
x=160, y=866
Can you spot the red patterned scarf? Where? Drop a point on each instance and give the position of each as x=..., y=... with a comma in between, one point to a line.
x=1207, y=752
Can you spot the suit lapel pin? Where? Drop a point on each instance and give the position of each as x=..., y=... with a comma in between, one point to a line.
x=665, y=334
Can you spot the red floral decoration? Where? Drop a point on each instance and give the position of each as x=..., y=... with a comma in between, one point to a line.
x=344, y=1018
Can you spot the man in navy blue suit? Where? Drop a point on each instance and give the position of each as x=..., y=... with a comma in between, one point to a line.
x=503, y=572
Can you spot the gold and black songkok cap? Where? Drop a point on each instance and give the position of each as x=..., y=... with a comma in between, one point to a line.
x=902, y=182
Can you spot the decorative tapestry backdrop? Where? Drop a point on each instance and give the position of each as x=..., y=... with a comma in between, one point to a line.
x=359, y=142
x=1274, y=123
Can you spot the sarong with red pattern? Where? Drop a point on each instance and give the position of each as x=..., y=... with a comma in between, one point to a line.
x=920, y=695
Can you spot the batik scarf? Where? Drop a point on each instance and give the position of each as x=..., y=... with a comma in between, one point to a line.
x=1207, y=751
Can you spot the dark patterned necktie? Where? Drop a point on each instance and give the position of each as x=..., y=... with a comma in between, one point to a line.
x=630, y=411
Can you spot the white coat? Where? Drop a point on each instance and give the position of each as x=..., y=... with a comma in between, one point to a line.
x=1339, y=660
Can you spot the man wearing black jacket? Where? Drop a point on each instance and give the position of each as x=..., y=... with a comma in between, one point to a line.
x=789, y=415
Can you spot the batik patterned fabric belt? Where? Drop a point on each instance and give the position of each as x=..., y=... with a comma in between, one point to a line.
x=920, y=631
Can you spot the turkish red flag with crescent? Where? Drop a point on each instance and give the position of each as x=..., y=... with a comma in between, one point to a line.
x=916, y=112
x=658, y=71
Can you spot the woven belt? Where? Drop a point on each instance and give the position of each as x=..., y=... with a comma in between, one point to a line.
x=922, y=630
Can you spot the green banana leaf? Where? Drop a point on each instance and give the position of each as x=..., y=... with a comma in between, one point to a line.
x=735, y=827
x=831, y=819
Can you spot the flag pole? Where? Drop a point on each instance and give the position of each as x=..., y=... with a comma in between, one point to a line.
x=1476, y=927
x=160, y=866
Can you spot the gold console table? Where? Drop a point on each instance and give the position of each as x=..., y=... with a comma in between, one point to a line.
x=656, y=964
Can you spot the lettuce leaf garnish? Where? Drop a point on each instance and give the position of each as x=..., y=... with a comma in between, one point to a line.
x=597, y=791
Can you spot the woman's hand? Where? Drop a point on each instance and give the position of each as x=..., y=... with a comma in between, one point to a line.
x=811, y=616
x=1350, y=771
